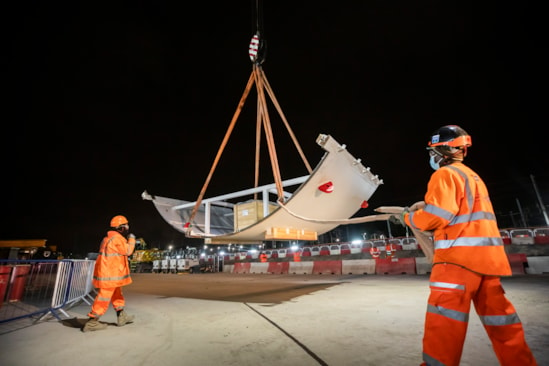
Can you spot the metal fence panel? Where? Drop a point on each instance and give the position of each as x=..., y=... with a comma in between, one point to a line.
x=39, y=288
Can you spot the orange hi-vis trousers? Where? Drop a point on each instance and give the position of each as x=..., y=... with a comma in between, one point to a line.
x=452, y=290
x=104, y=297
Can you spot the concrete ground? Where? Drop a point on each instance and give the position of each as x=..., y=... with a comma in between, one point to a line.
x=246, y=319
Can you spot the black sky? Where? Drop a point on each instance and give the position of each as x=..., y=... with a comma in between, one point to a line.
x=103, y=101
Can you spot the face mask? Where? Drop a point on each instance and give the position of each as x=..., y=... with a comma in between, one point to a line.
x=434, y=162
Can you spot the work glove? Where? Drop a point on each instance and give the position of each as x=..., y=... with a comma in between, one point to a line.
x=131, y=239
x=398, y=219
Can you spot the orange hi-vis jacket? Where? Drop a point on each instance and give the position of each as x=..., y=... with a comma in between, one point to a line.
x=111, y=266
x=459, y=211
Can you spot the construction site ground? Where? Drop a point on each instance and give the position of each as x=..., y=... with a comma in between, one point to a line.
x=263, y=319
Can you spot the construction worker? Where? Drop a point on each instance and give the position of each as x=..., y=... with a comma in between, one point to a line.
x=390, y=250
x=469, y=259
x=111, y=272
x=375, y=252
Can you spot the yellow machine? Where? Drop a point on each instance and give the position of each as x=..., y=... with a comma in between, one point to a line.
x=142, y=258
x=28, y=249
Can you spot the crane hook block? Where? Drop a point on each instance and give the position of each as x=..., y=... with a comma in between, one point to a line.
x=254, y=47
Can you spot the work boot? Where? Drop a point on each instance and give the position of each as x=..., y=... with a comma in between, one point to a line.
x=124, y=318
x=93, y=324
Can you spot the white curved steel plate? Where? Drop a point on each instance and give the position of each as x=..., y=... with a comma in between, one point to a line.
x=352, y=185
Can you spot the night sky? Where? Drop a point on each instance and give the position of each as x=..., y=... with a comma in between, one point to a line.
x=103, y=101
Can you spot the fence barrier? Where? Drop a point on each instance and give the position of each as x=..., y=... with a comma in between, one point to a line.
x=42, y=288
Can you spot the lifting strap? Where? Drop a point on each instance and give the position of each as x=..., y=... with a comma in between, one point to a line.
x=258, y=77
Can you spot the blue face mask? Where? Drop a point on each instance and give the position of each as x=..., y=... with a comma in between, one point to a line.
x=434, y=162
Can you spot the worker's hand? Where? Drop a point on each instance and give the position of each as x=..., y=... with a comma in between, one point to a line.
x=399, y=218
x=395, y=219
x=131, y=236
x=417, y=206
x=131, y=239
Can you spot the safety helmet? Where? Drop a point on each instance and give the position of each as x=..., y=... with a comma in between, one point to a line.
x=450, y=135
x=450, y=144
x=118, y=220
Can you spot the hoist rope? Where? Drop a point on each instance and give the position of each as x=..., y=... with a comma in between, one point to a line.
x=285, y=121
x=222, y=147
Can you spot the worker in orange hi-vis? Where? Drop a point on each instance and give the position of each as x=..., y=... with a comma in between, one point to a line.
x=111, y=272
x=375, y=252
x=390, y=250
x=469, y=259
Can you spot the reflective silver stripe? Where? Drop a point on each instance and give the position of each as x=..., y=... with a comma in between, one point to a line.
x=437, y=211
x=448, y=313
x=500, y=319
x=433, y=210
x=112, y=255
x=461, y=219
x=469, y=196
x=110, y=278
x=480, y=215
x=468, y=242
x=447, y=285
x=411, y=217
x=483, y=215
x=468, y=192
x=443, y=214
x=431, y=361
